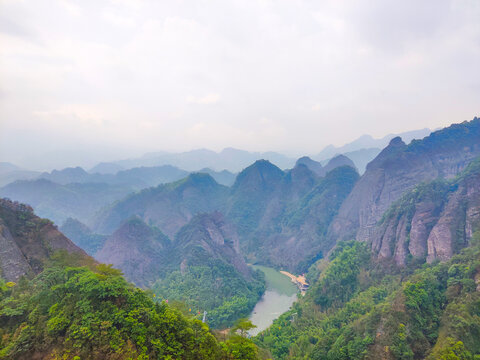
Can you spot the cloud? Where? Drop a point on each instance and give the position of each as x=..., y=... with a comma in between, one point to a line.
x=204, y=100
x=279, y=75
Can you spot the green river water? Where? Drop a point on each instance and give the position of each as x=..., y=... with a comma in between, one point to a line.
x=278, y=298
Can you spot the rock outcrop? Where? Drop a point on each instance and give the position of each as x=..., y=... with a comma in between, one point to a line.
x=398, y=169
x=433, y=221
x=208, y=237
x=139, y=250
x=27, y=241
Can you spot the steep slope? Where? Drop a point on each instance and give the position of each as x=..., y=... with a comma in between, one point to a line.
x=360, y=309
x=82, y=236
x=169, y=206
x=205, y=270
x=59, y=202
x=433, y=221
x=139, y=250
x=296, y=237
x=251, y=193
x=27, y=241
x=397, y=169
x=91, y=312
x=207, y=237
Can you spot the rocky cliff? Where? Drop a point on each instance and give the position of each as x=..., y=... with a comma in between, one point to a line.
x=27, y=241
x=139, y=250
x=208, y=237
x=399, y=168
x=433, y=221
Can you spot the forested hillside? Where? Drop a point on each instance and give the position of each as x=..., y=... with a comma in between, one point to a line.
x=366, y=304
x=362, y=309
x=63, y=304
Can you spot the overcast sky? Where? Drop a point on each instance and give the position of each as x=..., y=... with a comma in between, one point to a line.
x=289, y=75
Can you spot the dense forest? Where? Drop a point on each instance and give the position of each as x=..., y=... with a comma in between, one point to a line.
x=91, y=312
x=214, y=287
x=362, y=309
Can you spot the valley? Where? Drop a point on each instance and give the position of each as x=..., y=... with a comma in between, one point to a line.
x=280, y=294
x=368, y=245
x=239, y=180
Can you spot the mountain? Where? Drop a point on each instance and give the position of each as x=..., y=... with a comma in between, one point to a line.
x=59, y=202
x=362, y=157
x=313, y=165
x=359, y=308
x=250, y=194
x=230, y=159
x=139, y=250
x=67, y=176
x=169, y=206
x=136, y=178
x=399, y=168
x=206, y=271
x=106, y=168
x=207, y=237
x=368, y=142
x=431, y=222
x=202, y=266
x=27, y=241
x=317, y=168
x=69, y=306
x=82, y=236
x=337, y=161
x=223, y=177
x=296, y=236
x=258, y=204
x=10, y=172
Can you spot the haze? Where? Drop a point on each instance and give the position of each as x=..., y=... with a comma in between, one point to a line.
x=122, y=77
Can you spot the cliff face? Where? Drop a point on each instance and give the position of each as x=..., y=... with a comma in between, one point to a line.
x=207, y=237
x=27, y=241
x=297, y=236
x=145, y=254
x=399, y=168
x=433, y=221
x=139, y=250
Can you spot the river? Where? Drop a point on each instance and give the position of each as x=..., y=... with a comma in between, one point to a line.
x=279, y=296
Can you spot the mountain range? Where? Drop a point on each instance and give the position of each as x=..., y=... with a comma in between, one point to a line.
x=392, y=255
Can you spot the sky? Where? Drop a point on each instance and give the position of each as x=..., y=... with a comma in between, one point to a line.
x=122, y=77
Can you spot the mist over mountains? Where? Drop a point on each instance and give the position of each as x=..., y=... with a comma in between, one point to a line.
x=188, y=236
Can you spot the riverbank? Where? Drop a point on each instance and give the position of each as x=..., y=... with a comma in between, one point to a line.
x=279, y=296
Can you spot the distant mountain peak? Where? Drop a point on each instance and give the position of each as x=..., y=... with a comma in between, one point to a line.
x=198, y=178
x=396, y=141
x=262, y=173
x=313, y=165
